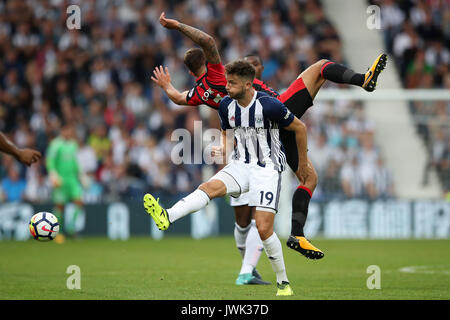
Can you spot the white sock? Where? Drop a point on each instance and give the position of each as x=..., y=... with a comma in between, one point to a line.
x=274, y=252
x=254, y=247
x=240, y=236
x=189, y=204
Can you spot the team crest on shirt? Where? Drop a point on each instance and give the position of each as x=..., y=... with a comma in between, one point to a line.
x=259, y=120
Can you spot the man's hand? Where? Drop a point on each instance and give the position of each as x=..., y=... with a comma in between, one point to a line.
x=161, y=77
x=168, y=23
x=85, y=180
x=28, y=156
x=304, y=171
x=55, y=180
x=217, y=151
x=218, y=155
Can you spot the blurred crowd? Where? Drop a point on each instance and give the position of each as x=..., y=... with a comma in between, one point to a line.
x=98, y=77
x=417, y=34
x=342, y=148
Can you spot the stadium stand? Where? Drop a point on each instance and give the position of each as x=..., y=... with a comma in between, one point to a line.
x=417, y=34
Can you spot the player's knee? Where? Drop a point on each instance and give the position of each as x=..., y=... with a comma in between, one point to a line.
x=213, y=188
x=313, y=77
x=311, y=182
x=314, y=178
x=265, y=229
x=243, y=215
x=205, y=187
x=319, y=64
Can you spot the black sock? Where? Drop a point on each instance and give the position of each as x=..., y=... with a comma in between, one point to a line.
x=341, y=74
x=300, y=204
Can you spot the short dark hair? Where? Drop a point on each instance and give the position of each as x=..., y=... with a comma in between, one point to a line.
x=241, y=68
x=194, y=59
x=253, y=54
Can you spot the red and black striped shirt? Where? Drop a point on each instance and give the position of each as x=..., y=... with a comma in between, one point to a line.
x=210, y=87
x=259, y=85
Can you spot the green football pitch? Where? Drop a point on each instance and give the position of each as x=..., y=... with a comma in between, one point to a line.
x=181, y=268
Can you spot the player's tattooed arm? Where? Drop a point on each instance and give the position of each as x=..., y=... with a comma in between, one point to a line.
x=204, y=40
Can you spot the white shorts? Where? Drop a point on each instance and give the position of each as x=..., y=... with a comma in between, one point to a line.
x=242, y=200
x=262, y=184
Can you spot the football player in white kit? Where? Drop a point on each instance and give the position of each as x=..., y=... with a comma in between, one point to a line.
x=252, y=119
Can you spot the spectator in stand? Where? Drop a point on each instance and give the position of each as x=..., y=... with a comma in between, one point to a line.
x=392, y=18
x=320, y=153
x=384, y=180
x=38, y=188
x=438, y=57
x=13, y=185
x=99, y=141
x=444, y=164
x=330, y=185
x=423, y=56
x=350, y=177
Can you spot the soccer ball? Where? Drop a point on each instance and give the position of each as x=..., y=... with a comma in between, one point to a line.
x=44, y=226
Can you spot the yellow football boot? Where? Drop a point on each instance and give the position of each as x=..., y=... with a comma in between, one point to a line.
x=158, y=213
x=370, y=79
x=302, y=245
x=284, y=289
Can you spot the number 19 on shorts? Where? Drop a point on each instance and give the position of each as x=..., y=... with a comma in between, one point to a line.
x=266, y=198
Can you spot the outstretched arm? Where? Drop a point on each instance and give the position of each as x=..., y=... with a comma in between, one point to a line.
x=204, y=40
x=26, y=156
x=161, y=77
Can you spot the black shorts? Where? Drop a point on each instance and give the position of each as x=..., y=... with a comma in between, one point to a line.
x=297, y=99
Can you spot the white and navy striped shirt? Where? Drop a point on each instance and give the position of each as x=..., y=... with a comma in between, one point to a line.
x=255, y=127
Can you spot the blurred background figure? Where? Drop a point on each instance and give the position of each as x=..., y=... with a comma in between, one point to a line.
x=13, y=185
x=65, y=177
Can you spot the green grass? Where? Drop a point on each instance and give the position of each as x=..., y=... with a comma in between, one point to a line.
x=183, y=268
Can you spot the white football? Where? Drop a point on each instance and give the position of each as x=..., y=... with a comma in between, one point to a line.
x=44, y=226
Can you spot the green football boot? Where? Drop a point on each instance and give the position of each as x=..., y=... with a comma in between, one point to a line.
x=248, y=278
x=158, y=213
x=284, y=289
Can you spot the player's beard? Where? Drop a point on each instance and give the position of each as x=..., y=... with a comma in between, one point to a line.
x=238, y=95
